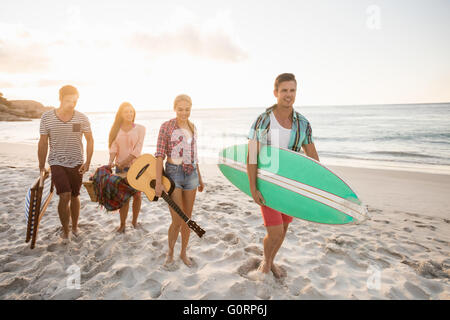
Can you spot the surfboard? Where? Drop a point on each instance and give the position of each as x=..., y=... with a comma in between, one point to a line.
x=37, y=200
x=295, y=184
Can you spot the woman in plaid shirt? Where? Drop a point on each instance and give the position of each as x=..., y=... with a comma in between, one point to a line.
x=177, y=140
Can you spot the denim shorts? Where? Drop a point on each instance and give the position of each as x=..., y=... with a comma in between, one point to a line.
x=122, y=171
x=181, y=179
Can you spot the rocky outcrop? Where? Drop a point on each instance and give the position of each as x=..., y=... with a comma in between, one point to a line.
x=21, y=110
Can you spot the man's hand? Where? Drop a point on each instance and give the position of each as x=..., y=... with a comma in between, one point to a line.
x=84, y=168
x=258, y=198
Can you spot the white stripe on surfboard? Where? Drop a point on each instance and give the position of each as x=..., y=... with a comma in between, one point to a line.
x=319, y=163
x=319, y=195
x=296, y=184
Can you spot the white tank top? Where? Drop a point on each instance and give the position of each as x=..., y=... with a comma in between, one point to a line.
x=279, y=136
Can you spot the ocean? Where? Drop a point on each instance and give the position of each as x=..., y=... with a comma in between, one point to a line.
x=411, y=136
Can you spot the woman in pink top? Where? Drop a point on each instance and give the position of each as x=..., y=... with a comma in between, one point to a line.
x=125, y=144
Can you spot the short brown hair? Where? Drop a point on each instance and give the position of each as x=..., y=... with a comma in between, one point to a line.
x=67, y=90
x=284, y=77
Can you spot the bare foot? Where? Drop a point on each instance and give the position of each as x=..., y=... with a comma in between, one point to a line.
x=75, y=232
x=169, y=258
x=136, y=225
x=186, y=260
x=277, y=271
x=121, y=229
x=65, y=235
x=263, y=267
x=65, y=238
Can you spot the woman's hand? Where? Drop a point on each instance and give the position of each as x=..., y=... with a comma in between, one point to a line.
x=159, y=188
x=119, y=166
x=201, y=186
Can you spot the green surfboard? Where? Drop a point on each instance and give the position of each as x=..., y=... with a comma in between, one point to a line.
x=295, y=184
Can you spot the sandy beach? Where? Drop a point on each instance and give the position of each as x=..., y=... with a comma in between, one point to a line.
x=401, y=252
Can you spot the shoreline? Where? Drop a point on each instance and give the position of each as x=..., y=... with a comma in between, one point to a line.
x=31, y=148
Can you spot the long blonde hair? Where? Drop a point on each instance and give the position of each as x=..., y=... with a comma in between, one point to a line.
x=118, y=122
x=186, y=98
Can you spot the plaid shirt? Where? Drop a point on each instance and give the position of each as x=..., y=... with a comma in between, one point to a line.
x=172, y=142
x=301, y=132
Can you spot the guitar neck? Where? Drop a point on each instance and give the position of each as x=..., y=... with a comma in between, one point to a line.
x=174, y=206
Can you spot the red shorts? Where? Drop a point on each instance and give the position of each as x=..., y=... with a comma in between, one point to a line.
x=273, y=217
x=67, y=179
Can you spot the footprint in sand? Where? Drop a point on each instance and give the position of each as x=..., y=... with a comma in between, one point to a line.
x=322, y=271
x=231, y=238
x=17, y=285
x=250, y=265
x=157, y=244
x=432, y=270
x=152, y=286
x=52, y=247
x=255, y=250
x=298, y=284
x=191, y=280
x=432, y=228
x=415, y=291
x=390, y=253
x=173, y=266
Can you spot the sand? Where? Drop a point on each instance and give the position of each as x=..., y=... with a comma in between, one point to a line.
x=402, y=252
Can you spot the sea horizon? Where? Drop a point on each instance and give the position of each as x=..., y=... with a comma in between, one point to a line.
x=413, y=137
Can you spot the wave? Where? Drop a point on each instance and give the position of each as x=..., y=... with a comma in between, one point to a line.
x=401, y=157
x=405, y=154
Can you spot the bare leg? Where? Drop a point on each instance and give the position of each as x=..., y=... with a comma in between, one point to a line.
x=276, y=271
x=175, y=226
x=64, y=213
x=188, y=205
x=271, y=245
x=123, y=217
x=75, y=213
x=137, y=201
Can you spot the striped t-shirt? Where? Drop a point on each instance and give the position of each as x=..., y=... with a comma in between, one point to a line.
x=66, y=145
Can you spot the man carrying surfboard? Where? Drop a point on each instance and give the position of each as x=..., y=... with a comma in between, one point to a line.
x=280, y=126
x=63, y=128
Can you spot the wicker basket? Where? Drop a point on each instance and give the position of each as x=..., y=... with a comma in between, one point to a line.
x=89, y=185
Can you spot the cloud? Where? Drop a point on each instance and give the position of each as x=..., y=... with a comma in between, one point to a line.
x=23, y=59
x=6, y=85
x=211, y=38
x=216, y=46
x=20, y=52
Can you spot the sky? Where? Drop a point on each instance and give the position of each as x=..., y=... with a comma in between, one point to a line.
x=225, y=53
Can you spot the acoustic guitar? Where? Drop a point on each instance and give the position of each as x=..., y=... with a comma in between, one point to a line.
x=142, y=176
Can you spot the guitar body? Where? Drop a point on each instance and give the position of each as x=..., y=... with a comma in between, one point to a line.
x=142, y=176
x=142, y=181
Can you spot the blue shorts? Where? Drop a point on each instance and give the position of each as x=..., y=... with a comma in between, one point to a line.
x=138, y=193
x=121, y=171
x=181, y=179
